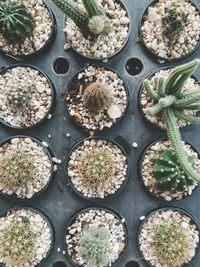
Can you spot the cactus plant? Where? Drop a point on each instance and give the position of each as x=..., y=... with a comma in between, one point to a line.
x=168, y=172
x=16, y=23
x=171, y=244
x=170, y=101
x=97, y=97
x=17, y=244
x=93, y=246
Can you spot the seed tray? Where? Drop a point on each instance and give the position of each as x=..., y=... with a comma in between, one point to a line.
x=59, y=202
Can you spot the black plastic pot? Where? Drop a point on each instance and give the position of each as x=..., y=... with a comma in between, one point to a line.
x=53, y=92
x=141, y=159
x=118, y=51
x=45, y=46
x=47, y=151
x=69, y=179
x=154, y=55
x=75, y=81
x=73, y=219
x=48, y=221
x=160, y=210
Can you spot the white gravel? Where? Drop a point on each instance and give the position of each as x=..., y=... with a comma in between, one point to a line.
x=102, y=46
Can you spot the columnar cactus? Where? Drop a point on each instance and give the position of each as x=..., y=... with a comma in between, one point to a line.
x=16, y=23
x=170, y=102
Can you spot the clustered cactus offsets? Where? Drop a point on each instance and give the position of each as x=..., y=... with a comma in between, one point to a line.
x=16, y=23
x=92, y=22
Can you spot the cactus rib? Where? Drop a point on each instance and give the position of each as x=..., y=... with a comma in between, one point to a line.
x=182, y=116
x=93, y=8
x=150, y=91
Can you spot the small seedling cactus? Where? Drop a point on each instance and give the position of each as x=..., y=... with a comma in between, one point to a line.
x=94, y=245
x=92, y=22
x=96, y=167
x=170, y=102
x=16, y=23
x=169, y=174
x=97, y=97
x=171, y=244
x=17, y=244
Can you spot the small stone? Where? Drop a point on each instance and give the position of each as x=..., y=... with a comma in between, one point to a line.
x=135, y=145
x=114, y=112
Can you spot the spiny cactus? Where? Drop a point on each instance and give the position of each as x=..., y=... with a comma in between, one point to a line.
x=171, y=244
x=16, y=169
x=97, y=97
x=169, y=174
x=93, y=246
x=175, y=19
x=170, y=102
x=96, y=166
x=92, y=22
x=17, y=244
x=16, y=23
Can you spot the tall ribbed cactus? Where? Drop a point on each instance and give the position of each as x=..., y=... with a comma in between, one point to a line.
x=16, y=23
x=170, y=102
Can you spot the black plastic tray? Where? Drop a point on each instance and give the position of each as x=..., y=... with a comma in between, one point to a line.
x=59, y=202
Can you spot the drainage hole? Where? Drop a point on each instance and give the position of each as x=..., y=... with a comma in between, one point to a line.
x=61, y=65
x=59, y=264
x=134, y=66
x=132, y=264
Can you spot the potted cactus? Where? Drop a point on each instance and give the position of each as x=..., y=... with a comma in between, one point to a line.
x=100, y=240
x=25, y=27
x=164, y=240
x=96, y=98
x=170, y=29
x=92, y=25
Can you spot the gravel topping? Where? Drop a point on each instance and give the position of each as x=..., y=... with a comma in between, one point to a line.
x=146, y=238
x=35, y=86
x=42, y=166
x=105, y=118
x=39, y=226
x=158, y=43
x=147, y=102
x=148, y=176
x=102, y=46
x=41, y=33
x=107, y=187
x=95, y=217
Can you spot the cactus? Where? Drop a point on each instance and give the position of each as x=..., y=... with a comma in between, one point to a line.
x=169, y=174
x=171, y=245
x=93, y=246
x=170, y=101
x=175, y=19
x=96, y=166
x=93, y=8
x=16, y=23
x=99, y=25
x=17, y=244
x=97, y=97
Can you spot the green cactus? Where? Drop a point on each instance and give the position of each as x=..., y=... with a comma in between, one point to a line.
x=99, y=25
x=17, y=244
x=169, y=174
x=97, y=97
x=16, y=23
x=94, y=245
x=93, y=8
x=170, y=101
x=171, y=244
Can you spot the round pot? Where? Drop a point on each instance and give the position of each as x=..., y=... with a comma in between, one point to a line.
x=75, y=81
x=73, y=219
x=118, y=51
x=69, y=179
x=48, y=221
x=3, y=70
x=141, y=159
x=160, y=210
x=154, y=55
x=47, y=151
x=45, y=46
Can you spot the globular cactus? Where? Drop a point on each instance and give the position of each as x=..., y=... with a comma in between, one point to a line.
x=171, y=245
x=16, y=23
x=17, y=244
x=94, y=245
x=169, y=174
x=97, y=97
